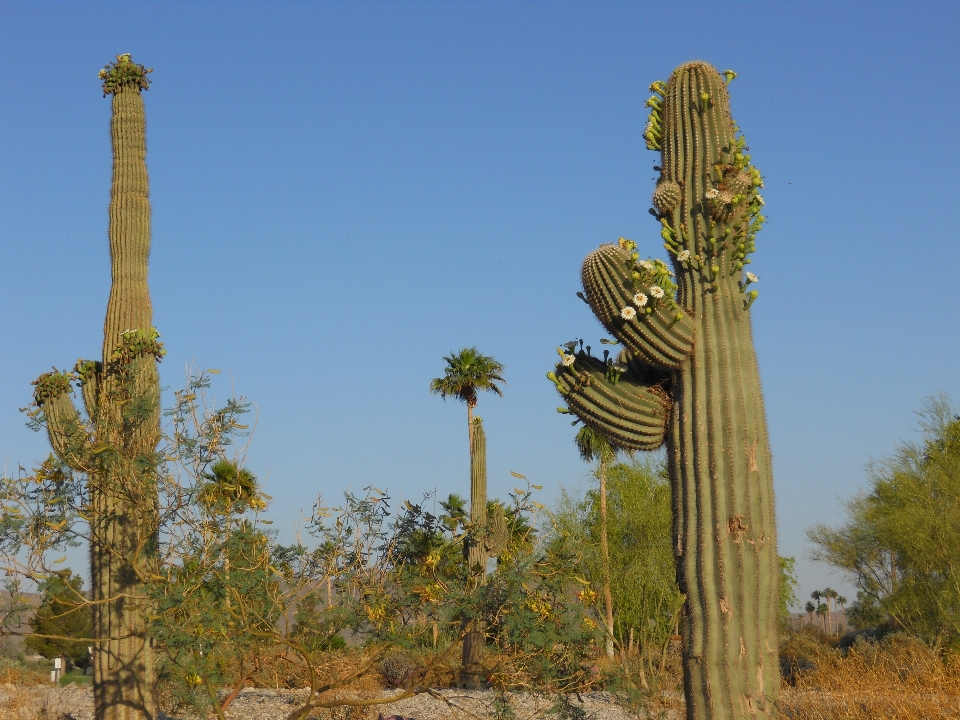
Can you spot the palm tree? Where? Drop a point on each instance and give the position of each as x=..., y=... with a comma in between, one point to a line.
x=822, y=612
x=229, y=489
x=842, y=601
x=468, y=372
x=594, y=445
x=830, y=594
x=810, y=608
x=815, y=596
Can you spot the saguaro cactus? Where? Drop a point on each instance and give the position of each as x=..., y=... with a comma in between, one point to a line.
x=688, y=377
x=115, y=445
x=487, y=539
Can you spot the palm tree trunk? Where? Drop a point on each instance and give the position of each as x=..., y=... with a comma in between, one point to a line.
x=605, y=557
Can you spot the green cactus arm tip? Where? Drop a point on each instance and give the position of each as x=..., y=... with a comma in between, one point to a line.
x=627, y=296
x=65, y=429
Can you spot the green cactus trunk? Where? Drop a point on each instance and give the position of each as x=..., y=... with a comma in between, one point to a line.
x=719, y=450
x=695, y=353
x=125, y=500
x=116, y=448
x=471, y=672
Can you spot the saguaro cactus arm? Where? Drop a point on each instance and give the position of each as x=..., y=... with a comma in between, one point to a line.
x=68, y=434
x=634, y=300
x=612, y=397
x=88, y=375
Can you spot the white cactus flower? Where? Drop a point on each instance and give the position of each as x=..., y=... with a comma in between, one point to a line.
x=712, y=193
x=683, y=255
x=639, y=299
x=628, y=313
x=752, y=278
x=567, y=360
x=656, y=291
x=646, y=264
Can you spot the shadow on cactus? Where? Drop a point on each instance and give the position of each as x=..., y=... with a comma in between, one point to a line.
x=687, y=378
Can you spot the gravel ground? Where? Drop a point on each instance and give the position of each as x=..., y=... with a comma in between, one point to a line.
x=75, y=703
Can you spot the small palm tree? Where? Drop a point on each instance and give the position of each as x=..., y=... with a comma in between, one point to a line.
x=842, y=601
x=822, y=613
x=594, y=445
x=830, y=594
x=229, y=489
x=815, y=596
x=810, y=608
x=466, y=373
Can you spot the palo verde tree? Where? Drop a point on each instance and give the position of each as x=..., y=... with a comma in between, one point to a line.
x=688, y=377
x=63, y=614
x=468, y=372
x=910, y=512
x=114, y=446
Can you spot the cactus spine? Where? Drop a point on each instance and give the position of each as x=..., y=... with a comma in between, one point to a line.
x=116, y=446
x=690, y=344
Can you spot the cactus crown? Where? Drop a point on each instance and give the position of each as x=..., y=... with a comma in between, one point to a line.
x=707, y=199
x=124, y=73
x=136, y=343
x=51, y=385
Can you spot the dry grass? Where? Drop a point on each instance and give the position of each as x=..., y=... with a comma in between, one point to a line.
x=897, y=678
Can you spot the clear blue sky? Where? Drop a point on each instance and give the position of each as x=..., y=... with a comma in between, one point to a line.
x=345, y=192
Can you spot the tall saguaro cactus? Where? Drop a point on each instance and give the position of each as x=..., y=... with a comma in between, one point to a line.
x=115, y=445
x=688, y=377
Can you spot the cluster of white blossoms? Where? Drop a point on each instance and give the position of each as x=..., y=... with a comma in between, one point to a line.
x=628, y=313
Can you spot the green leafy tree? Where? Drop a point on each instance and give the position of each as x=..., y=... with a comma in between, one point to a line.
x=644, y=589
x=900, y=543
x=788, y=588
x=594, y=445
x=63, y=613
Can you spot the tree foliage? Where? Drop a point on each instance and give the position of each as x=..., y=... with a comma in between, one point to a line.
x=467, y=372
x=63, y=614
x=901, y=540
x=644, y=588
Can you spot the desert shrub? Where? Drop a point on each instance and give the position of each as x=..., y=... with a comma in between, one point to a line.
x=898, y=677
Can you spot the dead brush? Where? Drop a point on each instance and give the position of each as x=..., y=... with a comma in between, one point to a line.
x=19, y=703
x=897, y=678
